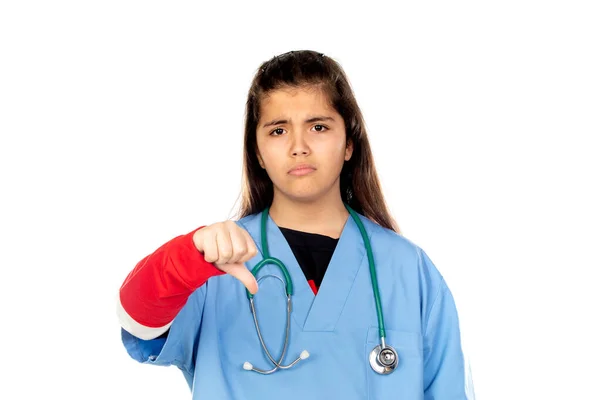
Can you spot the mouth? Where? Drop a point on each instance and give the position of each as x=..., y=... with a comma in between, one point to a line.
x=301, y=170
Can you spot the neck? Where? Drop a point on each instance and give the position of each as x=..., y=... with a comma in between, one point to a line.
x=327, y=216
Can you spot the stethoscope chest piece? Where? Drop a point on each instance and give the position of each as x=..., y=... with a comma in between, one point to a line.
x=383, y=361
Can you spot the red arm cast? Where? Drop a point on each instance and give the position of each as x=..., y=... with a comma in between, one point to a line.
x=159, y=286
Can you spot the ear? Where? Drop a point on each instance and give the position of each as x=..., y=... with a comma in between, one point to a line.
x=349, y=149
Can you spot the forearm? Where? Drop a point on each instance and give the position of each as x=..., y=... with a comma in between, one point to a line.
x=159, y=286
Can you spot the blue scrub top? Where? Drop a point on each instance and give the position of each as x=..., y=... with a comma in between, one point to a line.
x=214, y=334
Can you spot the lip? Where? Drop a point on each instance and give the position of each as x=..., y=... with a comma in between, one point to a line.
x=301, y=169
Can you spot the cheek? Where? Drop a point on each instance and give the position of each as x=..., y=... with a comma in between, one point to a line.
x=269, y=156
x=264, y=151
x=273, y=159
x=333, y=152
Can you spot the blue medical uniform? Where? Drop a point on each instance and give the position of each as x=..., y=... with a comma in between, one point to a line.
x=214, y=334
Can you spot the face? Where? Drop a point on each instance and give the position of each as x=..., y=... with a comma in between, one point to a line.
x=301, y=143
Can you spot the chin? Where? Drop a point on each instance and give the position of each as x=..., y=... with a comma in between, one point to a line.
x=305, y=192
x=304, y=195
x=305, y=199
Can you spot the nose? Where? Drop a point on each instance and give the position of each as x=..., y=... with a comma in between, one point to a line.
x=299, y=145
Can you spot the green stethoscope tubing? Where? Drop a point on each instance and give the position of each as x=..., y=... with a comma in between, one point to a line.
x=289, y=289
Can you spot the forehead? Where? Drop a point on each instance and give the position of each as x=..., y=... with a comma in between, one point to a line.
x=288, y=101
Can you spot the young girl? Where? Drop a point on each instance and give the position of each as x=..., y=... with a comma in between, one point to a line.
x=312, y=293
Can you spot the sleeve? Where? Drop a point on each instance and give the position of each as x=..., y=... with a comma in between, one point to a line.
x=165, y=293
x=446, y=375
x=179, y=347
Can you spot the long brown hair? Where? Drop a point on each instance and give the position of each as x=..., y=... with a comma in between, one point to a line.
x=359, y=183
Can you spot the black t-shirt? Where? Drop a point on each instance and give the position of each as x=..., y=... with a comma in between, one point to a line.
x=313, y=253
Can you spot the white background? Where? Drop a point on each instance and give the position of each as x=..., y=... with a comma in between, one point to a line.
x=122, y=124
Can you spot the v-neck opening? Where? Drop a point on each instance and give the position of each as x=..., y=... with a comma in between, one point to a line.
x=313, y=252
x=320, y=312
x=297, y=264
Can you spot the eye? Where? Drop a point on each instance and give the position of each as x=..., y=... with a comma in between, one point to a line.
x=276, y=132
x=323, y=128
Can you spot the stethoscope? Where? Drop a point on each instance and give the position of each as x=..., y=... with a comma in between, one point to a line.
x=383, y=358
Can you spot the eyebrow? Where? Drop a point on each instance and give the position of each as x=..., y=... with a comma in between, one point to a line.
x=308, y=121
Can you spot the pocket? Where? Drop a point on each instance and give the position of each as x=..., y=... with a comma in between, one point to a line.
x=406, y=381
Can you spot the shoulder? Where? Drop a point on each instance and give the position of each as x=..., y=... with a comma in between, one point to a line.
x=404, y=250
x=250, y=222
x=388, y=240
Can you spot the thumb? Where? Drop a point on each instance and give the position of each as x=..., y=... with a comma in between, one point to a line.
x=242, y=274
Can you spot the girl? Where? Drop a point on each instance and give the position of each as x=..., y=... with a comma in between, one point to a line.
x=346, y=308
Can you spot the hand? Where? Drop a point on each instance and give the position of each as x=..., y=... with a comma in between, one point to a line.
x=228, y=247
